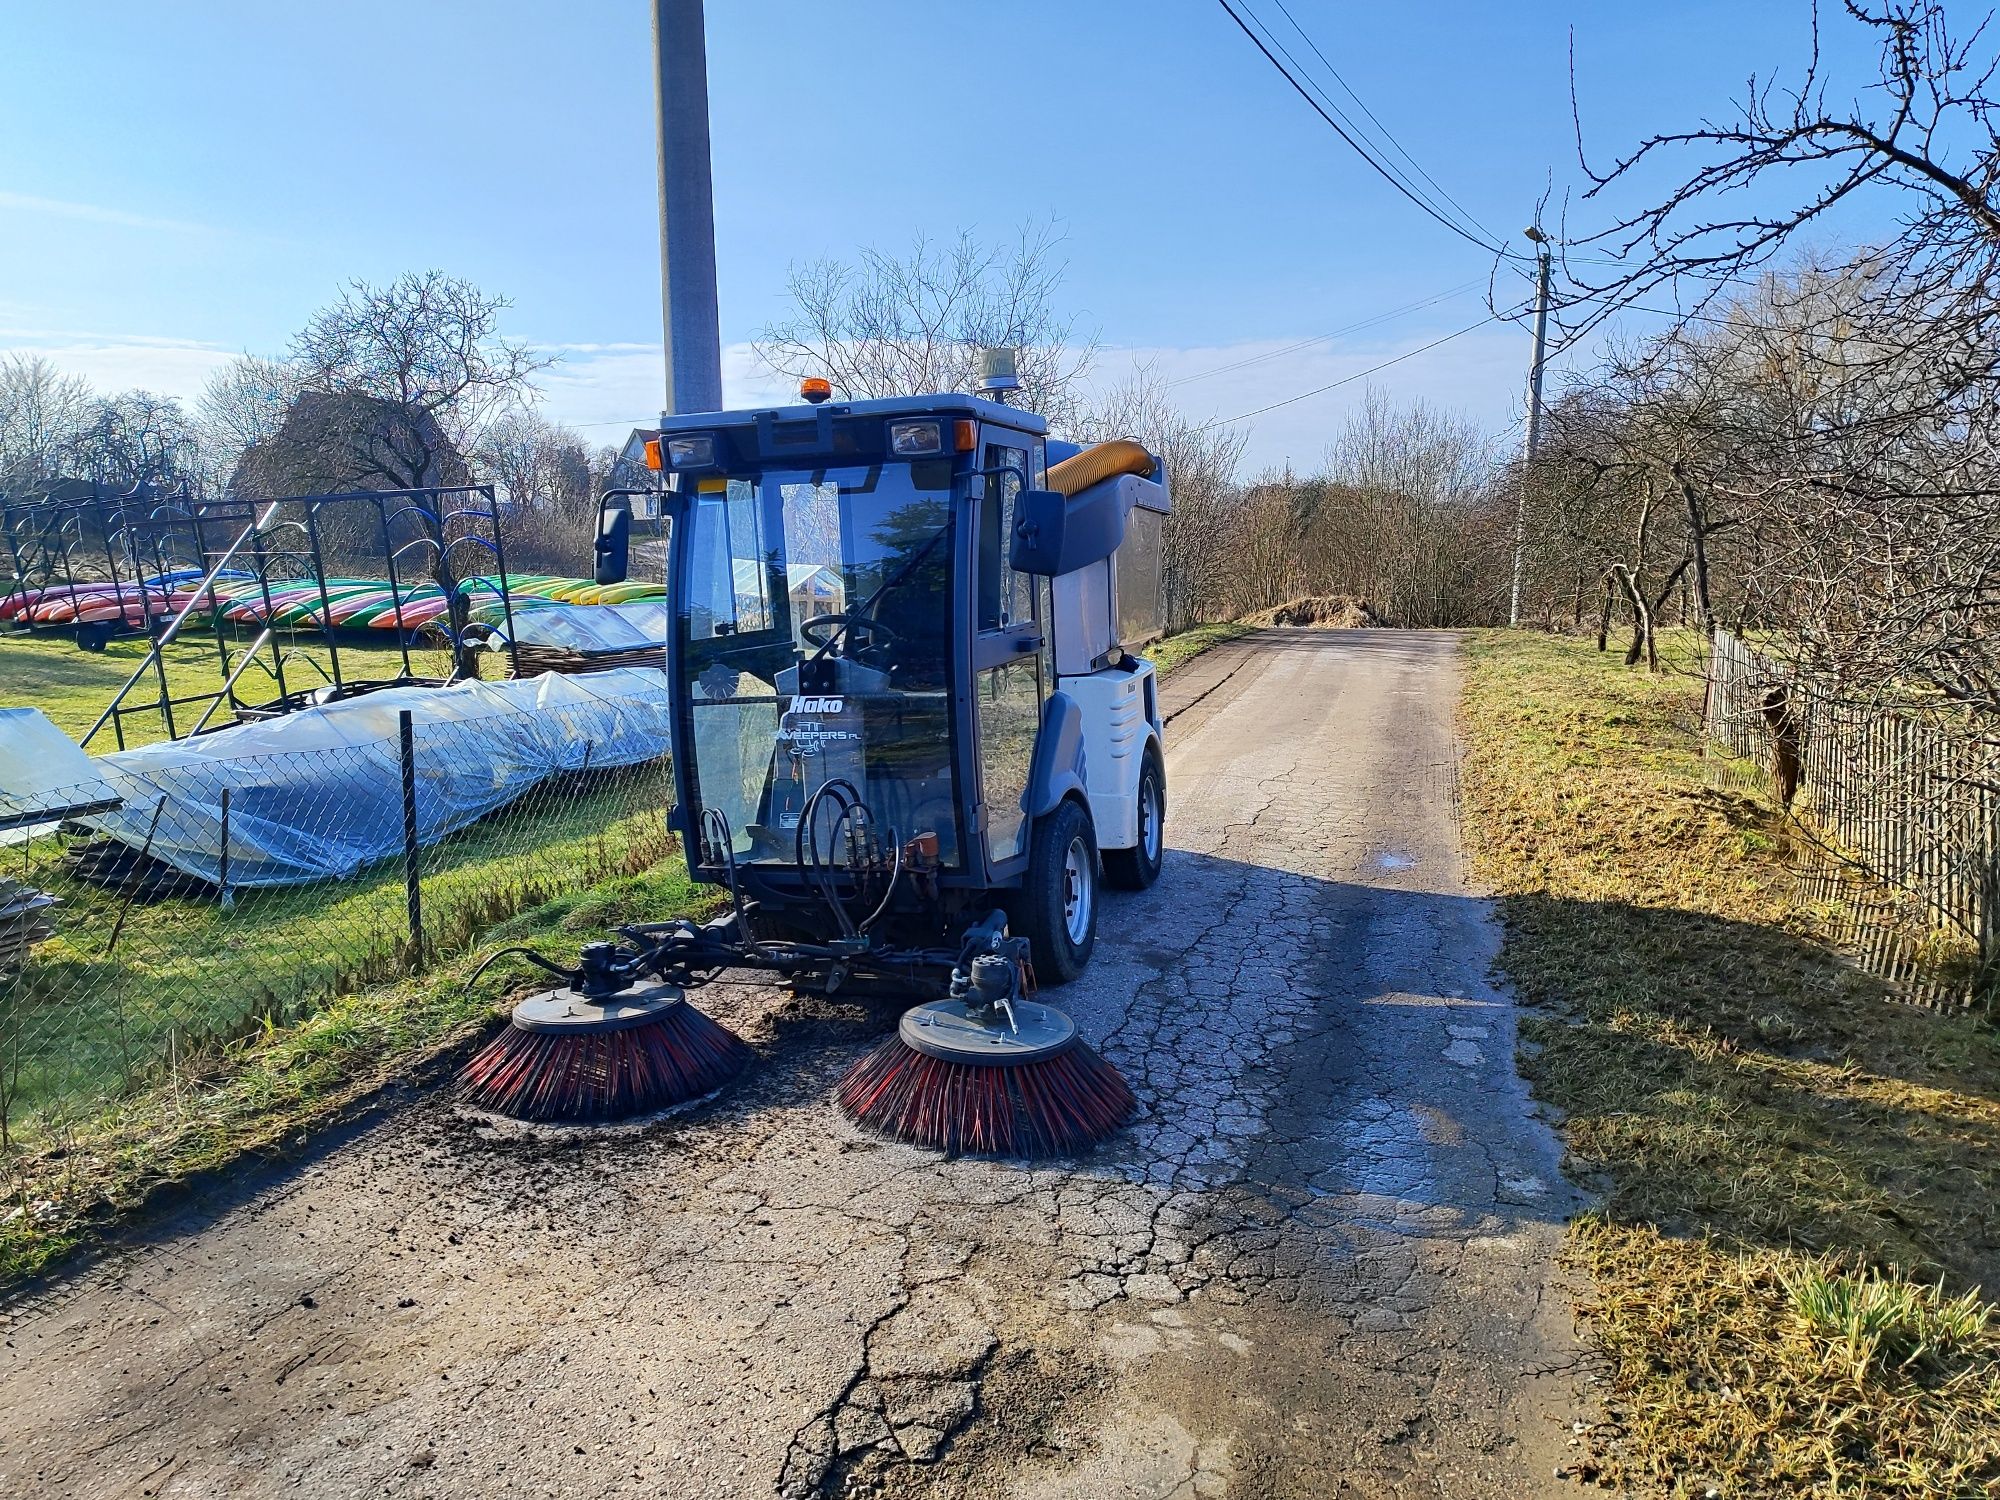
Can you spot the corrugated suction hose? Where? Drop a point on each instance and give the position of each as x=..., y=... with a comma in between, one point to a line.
x=1095, y=465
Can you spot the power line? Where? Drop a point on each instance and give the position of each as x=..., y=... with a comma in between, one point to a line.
x=1297, y=70
x=1387, y=134
x=1300, y=76
x=1387, y=176
x=1365, y=323
x=1364, y=374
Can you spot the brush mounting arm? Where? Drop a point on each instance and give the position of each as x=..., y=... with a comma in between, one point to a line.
x=984, y=971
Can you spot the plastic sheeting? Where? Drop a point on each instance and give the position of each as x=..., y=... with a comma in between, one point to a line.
x=318, y=794
x=591, y=628
x=37, y=759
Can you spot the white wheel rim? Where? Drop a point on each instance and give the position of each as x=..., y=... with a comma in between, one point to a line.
x=1150, y=820
x=1078, y=890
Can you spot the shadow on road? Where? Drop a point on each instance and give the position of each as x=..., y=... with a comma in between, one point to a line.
x=1355, y=1070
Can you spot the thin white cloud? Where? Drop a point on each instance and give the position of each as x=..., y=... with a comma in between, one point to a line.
x=1481, y=375
x=94, y=213
x=120, y=362
x=595, y=348
x=606, y=389
x=20, y=336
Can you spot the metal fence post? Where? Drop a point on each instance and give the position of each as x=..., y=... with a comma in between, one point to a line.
x=412, y=869
x=138, y=875
x=223, y=898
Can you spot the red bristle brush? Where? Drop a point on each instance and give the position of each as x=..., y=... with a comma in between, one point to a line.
x=973, y=1079
x=568, y=1056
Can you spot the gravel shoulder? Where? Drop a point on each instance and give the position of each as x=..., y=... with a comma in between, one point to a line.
x=1318, y=1265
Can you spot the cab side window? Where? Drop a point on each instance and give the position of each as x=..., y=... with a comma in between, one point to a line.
x=730, y=584
x=1004, y=595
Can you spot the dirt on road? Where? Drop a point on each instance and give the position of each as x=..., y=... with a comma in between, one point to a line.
x=1318, y=1265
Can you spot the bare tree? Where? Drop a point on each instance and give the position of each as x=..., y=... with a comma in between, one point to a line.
x=132, y=437
x=1403, y=517
x=1201, y=459
x=1839, y=421
x=910, y=324
x=42, y=411
x=1414, y=484
x=243, y=404
x=425, y=348
x=549, y=488
x=1920, y=137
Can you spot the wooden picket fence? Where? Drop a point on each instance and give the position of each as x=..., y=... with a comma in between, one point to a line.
x=1913, y=800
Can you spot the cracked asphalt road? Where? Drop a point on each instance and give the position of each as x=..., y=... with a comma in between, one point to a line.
x=1318, y=1265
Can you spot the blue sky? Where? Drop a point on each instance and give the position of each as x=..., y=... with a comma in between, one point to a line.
x=181, y=182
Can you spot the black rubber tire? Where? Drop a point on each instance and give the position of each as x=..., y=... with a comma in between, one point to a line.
x=1040, y=909
x=1134, y=869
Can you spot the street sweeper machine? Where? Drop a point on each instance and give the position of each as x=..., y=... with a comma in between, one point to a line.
x=910, y=737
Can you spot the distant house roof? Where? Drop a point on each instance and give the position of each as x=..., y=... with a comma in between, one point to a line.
x=797, y=576
x=331, y=441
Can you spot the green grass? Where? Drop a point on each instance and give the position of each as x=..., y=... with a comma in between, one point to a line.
x=86, y=1019
x=73, y=687
x=206, y=1033
x=1873, y=1326
x=1175, y=650
x=1800, y=1177
x=264, y=1094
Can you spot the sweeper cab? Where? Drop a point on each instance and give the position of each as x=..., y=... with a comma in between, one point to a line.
x=903, y=654
x=910, y=732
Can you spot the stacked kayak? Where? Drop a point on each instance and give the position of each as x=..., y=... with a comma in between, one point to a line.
x=571, y=590
x=338, y=604
x=98, y=602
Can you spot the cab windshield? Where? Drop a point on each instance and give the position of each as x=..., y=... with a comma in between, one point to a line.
x=815, y=619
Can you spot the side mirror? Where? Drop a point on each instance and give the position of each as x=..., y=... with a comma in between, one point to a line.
x=1037, y=543
x=614, y=539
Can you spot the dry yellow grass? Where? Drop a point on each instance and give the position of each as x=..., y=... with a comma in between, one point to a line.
x=1778, y=1144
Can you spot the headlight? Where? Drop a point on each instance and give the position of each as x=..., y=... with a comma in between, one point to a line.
x=916, y=439
x=691, y=452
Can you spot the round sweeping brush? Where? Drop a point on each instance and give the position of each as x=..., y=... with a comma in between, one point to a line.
x=570, y=1056
x=970, y=1081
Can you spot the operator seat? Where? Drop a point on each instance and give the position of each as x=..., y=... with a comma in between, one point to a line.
x=920, y=628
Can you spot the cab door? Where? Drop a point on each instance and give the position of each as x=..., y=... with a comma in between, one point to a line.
x=1008, y=679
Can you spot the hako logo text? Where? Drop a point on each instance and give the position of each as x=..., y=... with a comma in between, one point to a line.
x=818, y=705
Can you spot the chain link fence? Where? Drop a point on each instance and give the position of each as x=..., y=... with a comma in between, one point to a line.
x=1909, y=796
x=165, y=910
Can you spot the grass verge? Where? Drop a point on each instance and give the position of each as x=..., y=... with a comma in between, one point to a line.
x=262, y=1096
x=87, y=1018
x=1175, y=650
x=1800, y=1177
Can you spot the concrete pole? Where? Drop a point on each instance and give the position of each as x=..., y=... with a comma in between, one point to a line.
x=1534, y=431
x=687, y=210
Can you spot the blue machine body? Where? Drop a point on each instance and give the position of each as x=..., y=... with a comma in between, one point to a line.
x=952, y=720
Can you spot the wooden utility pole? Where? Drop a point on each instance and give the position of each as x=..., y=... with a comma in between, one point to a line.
x=1534, y=421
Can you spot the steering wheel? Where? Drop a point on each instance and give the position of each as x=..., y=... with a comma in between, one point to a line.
x=819, y=631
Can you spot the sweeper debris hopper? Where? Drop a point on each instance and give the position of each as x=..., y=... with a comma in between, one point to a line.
x=910, y=737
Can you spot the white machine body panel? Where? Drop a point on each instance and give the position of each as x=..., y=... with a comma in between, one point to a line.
x=1114, y=605
x=1120, y=711
x=1085, y=625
